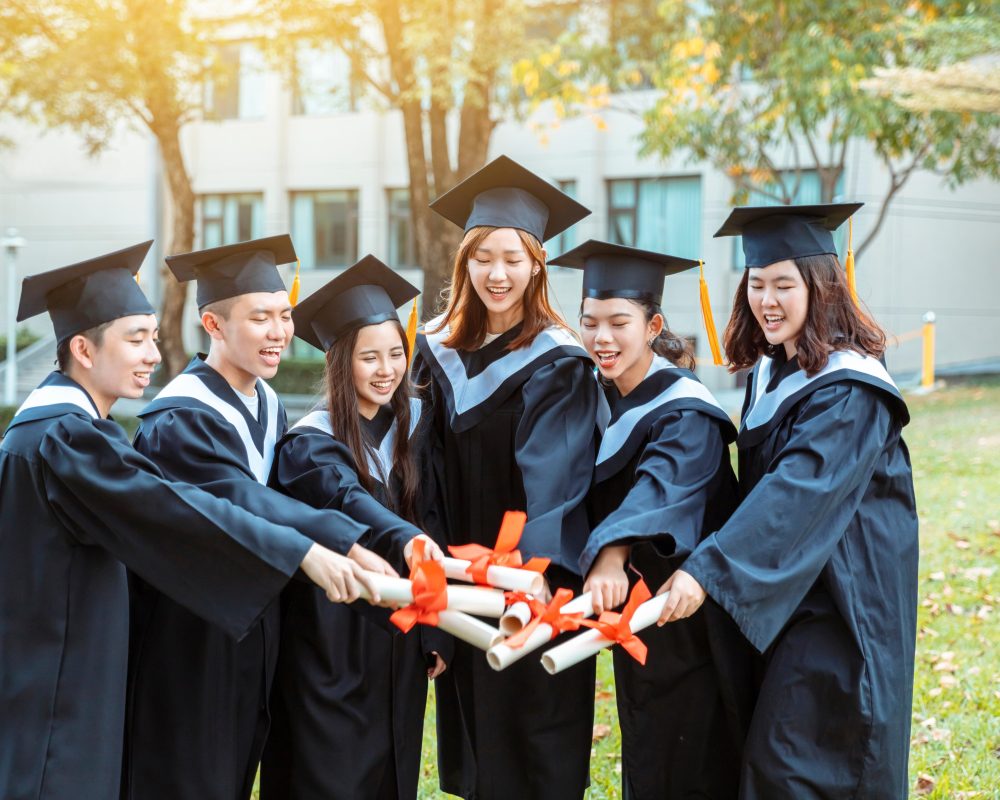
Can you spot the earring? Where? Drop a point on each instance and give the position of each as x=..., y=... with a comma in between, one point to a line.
x=650, y=342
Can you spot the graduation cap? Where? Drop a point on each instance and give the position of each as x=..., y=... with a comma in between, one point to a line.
x=777, y=233
x=235, y=269
x=367, y=293
x=503, y=194
x=615, y=270
x=90, y=293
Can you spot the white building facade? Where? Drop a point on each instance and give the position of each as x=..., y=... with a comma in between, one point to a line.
x=333, y=174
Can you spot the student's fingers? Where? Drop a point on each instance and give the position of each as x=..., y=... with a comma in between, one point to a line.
x=352, y=586
x=596, y=595
x=621, y=593
x=673, y=600
x=361, y=578
x=334, y=589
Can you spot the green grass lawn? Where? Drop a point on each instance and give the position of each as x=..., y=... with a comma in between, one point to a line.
x=954, y=441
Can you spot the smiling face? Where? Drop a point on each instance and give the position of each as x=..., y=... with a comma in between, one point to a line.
x=378, y=365
x=119, y=363
x=248, y=334
x=779, y=300
x=500, y=270
x=616, y=334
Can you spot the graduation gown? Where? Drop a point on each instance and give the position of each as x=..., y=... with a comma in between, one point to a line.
x=186, y=677
x=350, y=689
x=514, y=430
x=663, y=480
x=79, y=505
x=818, y=567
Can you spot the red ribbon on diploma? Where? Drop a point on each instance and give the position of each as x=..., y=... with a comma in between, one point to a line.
x=550, y=614
x=617, y=627
x=430, y=592
x=503, y=553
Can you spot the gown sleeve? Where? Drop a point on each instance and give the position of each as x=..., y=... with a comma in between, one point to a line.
x=763, y=561
x=178, y=439
x=555, y=449
x=209, y=555
x=675, y=473
x=318, y=470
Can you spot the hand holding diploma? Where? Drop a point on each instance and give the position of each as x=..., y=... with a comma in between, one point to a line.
x=686, y=597
x=342, y=578
x=611, y=628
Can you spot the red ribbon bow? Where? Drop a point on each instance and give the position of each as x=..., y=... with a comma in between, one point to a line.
x=550, y=614
x=430, y=592
x=618, y=627
x=503, y=554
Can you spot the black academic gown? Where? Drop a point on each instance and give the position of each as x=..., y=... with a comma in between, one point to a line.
x=197, y=709
x=350, y=689
x=662, y=481
x=79, y=505
x=514, y=430
x=818, y=567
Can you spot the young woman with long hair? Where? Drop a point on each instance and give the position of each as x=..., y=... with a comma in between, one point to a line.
x=349, y=690
x=514, y=403
x=818, y=565
x=662, y=481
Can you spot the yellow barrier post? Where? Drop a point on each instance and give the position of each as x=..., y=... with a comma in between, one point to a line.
x=927, y=373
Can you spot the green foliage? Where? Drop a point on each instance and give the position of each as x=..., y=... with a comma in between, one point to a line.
x=763, y=90
x=24, y=338
x=298, y=376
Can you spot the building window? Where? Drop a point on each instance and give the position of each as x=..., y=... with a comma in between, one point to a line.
x=660, y=214
x=567, y=239
x=325, y=227
x=237, y=92
x=805, y=189
x=323, y=82
x=231, y=218
x=402, y=249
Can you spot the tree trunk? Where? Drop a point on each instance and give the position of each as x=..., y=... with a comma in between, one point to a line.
x=181, y=241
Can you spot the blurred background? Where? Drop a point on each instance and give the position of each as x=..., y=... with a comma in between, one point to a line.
x=205, y=123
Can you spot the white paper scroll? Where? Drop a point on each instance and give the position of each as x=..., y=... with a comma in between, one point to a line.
x=510, y=578
x=500, y=655
x=591, y=642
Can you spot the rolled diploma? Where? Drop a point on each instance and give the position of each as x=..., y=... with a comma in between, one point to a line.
x=500, y=656
x=511, y=578
x=478, y=600
x=515, y=618
x=468, y=629
x=592, y=642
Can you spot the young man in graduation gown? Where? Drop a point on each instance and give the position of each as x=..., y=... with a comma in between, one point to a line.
x=662, y=481
x=818, y=565
x=215, y=426
x=79, y=505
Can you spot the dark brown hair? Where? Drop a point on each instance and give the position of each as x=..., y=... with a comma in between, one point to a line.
x=64, y=358
x=342, y=404
x=833, y=321
x=465, y=312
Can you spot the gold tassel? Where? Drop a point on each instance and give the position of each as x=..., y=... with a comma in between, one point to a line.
x=293, y=295
x=706, y=313
x=852, y=286
x=411, y=332
x=137, y=280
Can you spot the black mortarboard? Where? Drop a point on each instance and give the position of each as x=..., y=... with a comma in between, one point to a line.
x=777, y=233
x=82, y=296
x=503, y=194
x=365, y=294
x=614, y=270
x=235, y=269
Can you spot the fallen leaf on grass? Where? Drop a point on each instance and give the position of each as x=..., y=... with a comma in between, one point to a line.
x=925, y=784
x=936, y=576
x=605, y=695
x=972, y=573
x=600, y=731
